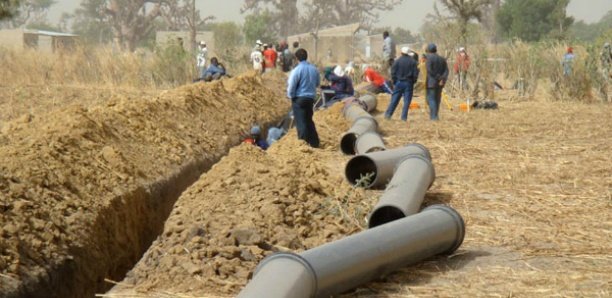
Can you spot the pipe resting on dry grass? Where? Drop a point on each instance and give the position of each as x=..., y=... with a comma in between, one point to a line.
x=376, y=168
x=361, y=125
x=369, y=142
x=357, y=111
x=347, y=263
x=406, y=191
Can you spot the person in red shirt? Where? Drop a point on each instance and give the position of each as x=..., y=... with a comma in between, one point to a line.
x=378, y=84
x=269, y=58
x=461, y=66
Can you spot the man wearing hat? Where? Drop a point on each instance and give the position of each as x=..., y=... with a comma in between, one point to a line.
x=201, y=58
x=341, y=84
x=404, y=74
x=257, y=57
x=437, y=75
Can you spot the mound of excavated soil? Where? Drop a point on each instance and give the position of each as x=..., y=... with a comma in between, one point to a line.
x=532, y=181
x=84, y=190
x=247, y=206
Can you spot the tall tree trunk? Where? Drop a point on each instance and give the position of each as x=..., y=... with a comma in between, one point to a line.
x=193, y=27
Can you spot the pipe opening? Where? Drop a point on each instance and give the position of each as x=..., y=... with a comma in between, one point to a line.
x=347, y=143
x=361, y=171
x=385, y=215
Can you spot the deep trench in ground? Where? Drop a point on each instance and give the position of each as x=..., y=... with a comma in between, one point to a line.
x=126, y=228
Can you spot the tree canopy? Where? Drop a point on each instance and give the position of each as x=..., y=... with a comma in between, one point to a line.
x=532, y=20
x=8, y=8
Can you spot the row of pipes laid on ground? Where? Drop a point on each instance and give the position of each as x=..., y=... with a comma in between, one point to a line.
x=397, y=235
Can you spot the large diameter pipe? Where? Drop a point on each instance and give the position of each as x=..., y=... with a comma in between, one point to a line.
x=282, y=275
x=360, y=126
x=369, y=102
x=347, y=263
x=369, y=142
x=354, y=110
x=406, y=191
x=376, y=168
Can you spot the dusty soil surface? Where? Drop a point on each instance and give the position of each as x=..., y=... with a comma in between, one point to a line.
x=27, y=100
x=533, y=181
x=76, y=182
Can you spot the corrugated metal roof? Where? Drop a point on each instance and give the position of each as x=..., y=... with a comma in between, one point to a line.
x=49, y=33
x=345, y=30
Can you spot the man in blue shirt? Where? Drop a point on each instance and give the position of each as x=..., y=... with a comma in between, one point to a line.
x=404, y=74
x=302, y=89
x=437, y=75
x=215, y=71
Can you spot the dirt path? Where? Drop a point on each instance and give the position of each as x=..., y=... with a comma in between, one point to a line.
x=533, y=181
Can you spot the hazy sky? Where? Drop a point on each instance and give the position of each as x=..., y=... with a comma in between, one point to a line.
x=408, y=15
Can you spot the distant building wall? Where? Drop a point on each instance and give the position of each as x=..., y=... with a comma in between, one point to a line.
x=335, y=45
x=11, y=38
x=45, y=41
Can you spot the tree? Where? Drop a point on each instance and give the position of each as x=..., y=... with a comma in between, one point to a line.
x=284, y=16
x=92, y=23
x=590, y=32
x=183, y=15
x=258, y=26
x=464, y=11
x=30, y=12
x=132, y=20
x=336, y=13
x=8, y=8
x=227, y=40
x=532, y=20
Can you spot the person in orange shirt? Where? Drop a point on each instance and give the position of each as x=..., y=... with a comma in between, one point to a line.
x=269, y=58
x=461, y=67
x=378, y=84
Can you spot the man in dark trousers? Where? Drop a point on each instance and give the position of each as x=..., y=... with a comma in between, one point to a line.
x=404, y=74
x=437, y=75
x=302, y=89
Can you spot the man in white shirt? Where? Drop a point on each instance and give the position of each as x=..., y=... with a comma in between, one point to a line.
x=201, y=58
x=257, y=57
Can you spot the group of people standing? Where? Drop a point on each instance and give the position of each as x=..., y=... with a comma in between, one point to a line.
x=265, y=57
x=405, y=73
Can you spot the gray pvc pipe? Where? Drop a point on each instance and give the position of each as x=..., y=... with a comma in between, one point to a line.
x=380, y=165
x=354, y=110
x=369, y=142
x=406, y=191
x=347, y=263
x=282, y=275
x=369, y=100
x=361, y=125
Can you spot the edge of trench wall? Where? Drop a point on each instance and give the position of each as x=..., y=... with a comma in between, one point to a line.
x=123, y=229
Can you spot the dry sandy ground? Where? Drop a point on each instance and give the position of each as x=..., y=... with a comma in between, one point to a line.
x=533, y=181
x=84, y=186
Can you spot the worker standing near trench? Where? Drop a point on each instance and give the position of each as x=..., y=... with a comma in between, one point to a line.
x=302, y=89
x=437, y=75
x=404, y=74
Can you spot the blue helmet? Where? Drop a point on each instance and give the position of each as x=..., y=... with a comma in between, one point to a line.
x=255, y=130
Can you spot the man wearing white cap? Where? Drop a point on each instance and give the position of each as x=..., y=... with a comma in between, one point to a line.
x=404, y=74
x=340, y=83
x=257, y=57
x=201, y=58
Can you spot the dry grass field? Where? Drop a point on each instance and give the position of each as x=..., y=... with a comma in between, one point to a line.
x=533, y=181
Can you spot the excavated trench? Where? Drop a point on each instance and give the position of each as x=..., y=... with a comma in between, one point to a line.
x=113, y=230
